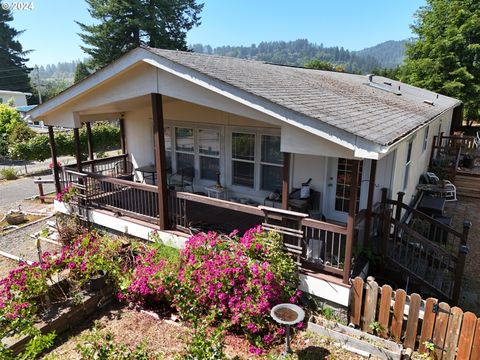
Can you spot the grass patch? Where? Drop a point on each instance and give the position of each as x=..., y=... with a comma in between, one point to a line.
x=167, y=252
x=9, y=173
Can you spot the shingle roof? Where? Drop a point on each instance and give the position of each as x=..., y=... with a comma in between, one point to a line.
x=344, y=101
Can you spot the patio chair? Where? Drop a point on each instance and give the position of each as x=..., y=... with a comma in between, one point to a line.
x=449, y=191
x=123, y=169
x=432, y=178
x=182, y=179
x=315, y=250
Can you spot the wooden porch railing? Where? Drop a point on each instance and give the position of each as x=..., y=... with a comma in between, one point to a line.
x=110, y=166
x=428, y=250
x=316, y=245
x=447, y=152
x=136, y=200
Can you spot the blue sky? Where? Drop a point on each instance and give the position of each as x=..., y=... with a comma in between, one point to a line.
x=51, y=32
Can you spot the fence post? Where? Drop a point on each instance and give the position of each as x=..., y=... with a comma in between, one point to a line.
x=384, y=198
x=40, y=191
x=398, y=206
x=386, y=217
x=462, y=254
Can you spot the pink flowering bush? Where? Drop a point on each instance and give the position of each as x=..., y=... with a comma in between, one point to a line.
x=22, y=292
x=151, y=280
x=236, y=281
x=86, y=256
x=68, y=193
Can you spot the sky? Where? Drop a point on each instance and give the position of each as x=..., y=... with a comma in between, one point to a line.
x=52, y=34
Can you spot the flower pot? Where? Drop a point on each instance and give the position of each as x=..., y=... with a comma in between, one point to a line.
x=98, y=281
x=15, y=218
x=469, y=162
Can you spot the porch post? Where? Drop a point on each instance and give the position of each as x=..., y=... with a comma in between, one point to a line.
x=157, y=116
x=53, y=149
x=371, y=190
x=90, y=145
x=285, y=180
x=89, y=140
x=78, y=151
x=123, y=143
x=351, y=219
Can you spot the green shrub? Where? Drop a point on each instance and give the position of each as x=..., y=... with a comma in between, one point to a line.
x=105, y=137
x=100, y=345
x=21, y=133
x=9, y=119
x=205, y=345
x=8, y=173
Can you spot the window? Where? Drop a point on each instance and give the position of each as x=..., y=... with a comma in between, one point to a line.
x=185, y=148
x=407, y=164
x=209, y=153
x=243, y=159
x=271, y=165
x=344, y=183
x=425, y=139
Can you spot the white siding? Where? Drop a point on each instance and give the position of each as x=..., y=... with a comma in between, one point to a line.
x=419, y=159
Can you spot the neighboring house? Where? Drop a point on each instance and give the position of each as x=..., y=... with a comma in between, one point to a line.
x=18, y=98
x=256, y=128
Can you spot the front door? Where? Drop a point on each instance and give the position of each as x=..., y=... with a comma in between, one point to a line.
x=338, y=189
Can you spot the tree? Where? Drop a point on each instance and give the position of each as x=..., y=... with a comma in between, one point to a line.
x=446, y=56
x=127, y=24
x=81, y=72
x=320, y=65
x=9, y=118
x=13, y=72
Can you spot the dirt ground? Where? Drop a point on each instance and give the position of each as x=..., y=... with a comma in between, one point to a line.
x=168, y=338
x=468, y=209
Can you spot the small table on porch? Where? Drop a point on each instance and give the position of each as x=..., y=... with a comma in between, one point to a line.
x=148, y=172
x=218, y=192
x=432, y=205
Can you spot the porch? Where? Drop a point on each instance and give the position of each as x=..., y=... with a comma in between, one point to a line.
x=319, y=247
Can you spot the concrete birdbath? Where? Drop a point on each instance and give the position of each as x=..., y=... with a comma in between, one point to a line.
x=287, y=314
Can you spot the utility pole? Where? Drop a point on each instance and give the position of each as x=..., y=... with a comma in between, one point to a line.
x=38, y=85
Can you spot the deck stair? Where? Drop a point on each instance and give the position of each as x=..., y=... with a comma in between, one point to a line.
x=468, y=185
x=423, y=249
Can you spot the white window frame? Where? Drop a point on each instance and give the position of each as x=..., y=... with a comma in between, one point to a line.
x=408, y=163
x=266, y=163
x=425, y=138
x=196, y=127
x=174, y=146
x=200, y=155
x=258, y=132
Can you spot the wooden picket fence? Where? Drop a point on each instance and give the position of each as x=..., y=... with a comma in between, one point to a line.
x=411, y=321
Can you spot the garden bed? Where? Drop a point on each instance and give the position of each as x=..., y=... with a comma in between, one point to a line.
x=168, y=338
x=30, y=218
x=356, y=340
x=61, y=317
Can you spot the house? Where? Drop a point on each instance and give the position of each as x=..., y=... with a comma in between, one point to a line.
x=18, y=98
x=190, y=122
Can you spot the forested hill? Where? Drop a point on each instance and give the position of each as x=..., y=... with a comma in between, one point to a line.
x=300, y=51
x=388, y=54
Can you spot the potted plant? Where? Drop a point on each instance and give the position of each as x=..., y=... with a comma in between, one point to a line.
x=468, y=161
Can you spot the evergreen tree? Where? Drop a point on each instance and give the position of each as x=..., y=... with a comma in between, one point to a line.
x=127, y=24
x=81, y=72
x=13, y=72
x=446, y=56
